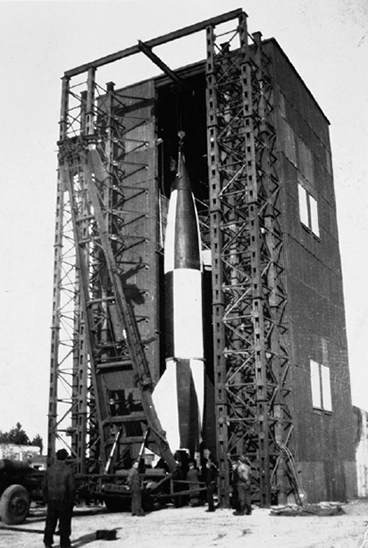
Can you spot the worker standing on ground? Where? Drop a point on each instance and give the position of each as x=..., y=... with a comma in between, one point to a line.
x=134, y=482
x=193, y=479
x=234, y=486
x=59, y=489
x=211, y=482
x=243, y=485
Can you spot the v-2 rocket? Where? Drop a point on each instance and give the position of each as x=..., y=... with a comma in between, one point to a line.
x=179, y=394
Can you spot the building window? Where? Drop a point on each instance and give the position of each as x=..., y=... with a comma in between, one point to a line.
x=308, y=210
x=321, y=386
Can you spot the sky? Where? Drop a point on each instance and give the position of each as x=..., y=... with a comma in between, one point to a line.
x=326, y=41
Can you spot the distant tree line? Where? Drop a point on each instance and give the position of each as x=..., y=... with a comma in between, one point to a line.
x=18, y=436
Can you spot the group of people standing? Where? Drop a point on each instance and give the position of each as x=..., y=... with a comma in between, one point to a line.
x=59, y=489
x=240, y=485
x=194, y=477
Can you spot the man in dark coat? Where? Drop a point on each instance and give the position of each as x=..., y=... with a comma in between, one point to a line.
x=211, y=482
x=134, y=482
x=243, y=485
x=234, y=486
x=193, y=479
x=58, y=489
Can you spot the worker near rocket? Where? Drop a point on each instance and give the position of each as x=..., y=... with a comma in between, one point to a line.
x=179, y=394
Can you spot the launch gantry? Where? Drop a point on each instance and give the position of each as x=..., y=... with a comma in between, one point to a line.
x=105, y=351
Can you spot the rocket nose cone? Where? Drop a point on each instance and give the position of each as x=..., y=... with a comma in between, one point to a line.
x=182, y=240
x=182, y=181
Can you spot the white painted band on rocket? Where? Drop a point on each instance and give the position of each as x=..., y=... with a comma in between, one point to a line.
x=183, y=309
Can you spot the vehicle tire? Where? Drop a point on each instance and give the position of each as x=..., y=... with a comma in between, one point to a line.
x=14, y=504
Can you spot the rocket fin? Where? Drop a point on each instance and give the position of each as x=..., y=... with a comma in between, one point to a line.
x=197, y=369
x=189, y=424
x=166, y=403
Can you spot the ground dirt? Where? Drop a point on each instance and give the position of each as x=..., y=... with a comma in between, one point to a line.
x=195, y=528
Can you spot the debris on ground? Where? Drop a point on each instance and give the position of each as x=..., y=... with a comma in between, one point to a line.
x=320, y=509
x=106, y=534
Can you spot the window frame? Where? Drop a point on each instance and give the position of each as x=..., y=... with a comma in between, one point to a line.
x=308, y=210
x=314, y=220
x=321, y=386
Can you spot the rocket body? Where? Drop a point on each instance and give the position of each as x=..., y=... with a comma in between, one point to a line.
x=179, y=394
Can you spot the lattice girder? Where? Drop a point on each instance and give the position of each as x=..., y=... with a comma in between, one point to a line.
x=248, y=259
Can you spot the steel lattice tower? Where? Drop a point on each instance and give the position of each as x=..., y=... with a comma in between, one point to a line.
x=249, y=296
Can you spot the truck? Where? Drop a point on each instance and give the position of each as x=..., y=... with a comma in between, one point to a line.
x=19, y=485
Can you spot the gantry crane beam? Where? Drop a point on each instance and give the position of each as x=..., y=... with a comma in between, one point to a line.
x=127, y=52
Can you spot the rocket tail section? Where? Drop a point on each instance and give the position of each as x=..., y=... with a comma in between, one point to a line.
x=179, y=401
x=166, y=403
x=190, y=388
